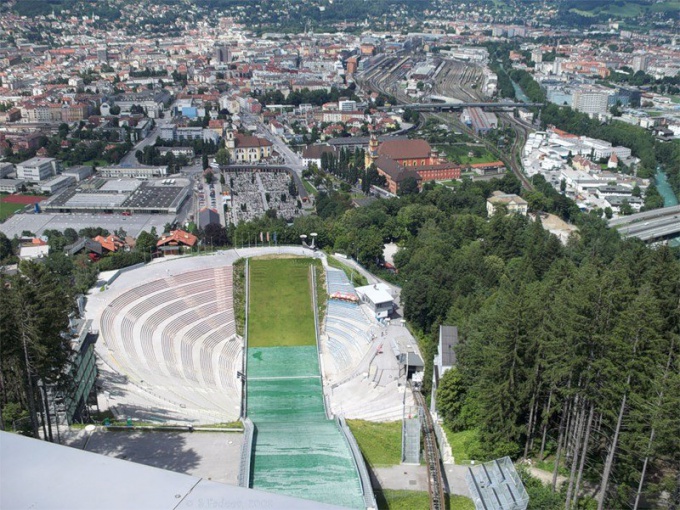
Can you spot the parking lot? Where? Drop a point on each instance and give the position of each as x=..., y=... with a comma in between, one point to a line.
x=38, y=223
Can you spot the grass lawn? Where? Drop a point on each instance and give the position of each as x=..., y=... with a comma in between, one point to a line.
x=359, y=279
x=280, y=303
x=417, y=500
x=451, y=184
x=7, y=209
x=96, y=162
x=460, y=153
x=549, y=465
x=308, y=186
x=458, y=442
x=380, y=443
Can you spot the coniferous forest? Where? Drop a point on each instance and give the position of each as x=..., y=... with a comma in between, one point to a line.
x=569, y=352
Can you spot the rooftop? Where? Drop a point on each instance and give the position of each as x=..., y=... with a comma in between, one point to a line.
x=405, y=149
x=72, y=478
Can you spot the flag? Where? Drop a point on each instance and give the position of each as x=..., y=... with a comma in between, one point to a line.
x=267, y=236
x=261, y=237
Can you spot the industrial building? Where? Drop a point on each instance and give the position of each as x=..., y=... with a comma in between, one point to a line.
x=133, y=172
x=38, y=169
x=123, y=195
x=480, y=121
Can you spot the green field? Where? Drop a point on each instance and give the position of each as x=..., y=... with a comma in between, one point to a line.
x=8, y=209
x=280, y=303
x=308, y=186
x=380, y=443
x=460, y=154
x=417, y=500
x=459, y=442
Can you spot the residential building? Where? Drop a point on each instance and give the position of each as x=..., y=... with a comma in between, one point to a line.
x=176, y=242
x=222, y=54
x=346, y=105
x=111, y=243
x=512, y=203
x=640, y=63
x=592, y=102
x=37, y=169
x=187, y=152
x=35, y=249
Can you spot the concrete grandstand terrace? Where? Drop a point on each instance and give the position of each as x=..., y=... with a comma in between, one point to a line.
x=175, y=337
x=127, y=389
x=361, y=373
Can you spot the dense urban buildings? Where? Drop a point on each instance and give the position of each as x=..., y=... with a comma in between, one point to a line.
x=288, y=223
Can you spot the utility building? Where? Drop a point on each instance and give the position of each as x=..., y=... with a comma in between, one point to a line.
x=378, y=297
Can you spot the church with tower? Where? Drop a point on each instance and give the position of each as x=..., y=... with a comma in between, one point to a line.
x=247, y=148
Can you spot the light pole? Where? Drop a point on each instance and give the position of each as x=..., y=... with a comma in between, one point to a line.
x=303, y=238
x=313, y=236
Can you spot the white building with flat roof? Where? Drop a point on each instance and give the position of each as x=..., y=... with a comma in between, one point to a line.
x=57, y=184
x=37, y=169
x=10, y=185
x=378, y=297
x=138, y=172
x=593, y=102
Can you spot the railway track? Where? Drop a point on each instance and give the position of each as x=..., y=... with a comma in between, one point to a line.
x=454, y=79
x=435, y=481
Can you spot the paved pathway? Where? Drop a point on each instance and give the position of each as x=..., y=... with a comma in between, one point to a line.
x=414, y=478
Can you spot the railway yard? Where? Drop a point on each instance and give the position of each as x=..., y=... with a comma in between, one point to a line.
x=451, y=81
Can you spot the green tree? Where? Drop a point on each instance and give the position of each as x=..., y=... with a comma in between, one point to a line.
x=146, y=242
x=450, y=398
x=34, y=309
x=222, y=157
x=408, y=186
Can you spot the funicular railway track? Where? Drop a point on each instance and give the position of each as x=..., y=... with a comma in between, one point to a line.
x=435, y=480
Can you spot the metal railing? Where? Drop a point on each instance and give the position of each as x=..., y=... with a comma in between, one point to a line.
x=359, y=464
x=246, y=453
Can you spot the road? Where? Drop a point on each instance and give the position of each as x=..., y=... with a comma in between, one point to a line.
x=290, y=158
x=130, y=159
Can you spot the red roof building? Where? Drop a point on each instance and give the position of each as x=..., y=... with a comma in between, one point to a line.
x=176, y=241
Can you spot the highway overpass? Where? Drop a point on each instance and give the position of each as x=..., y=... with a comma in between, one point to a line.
x=650, y=226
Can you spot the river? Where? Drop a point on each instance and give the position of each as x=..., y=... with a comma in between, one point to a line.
x=519, y=93
x=664, y=187
x=668, y=195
